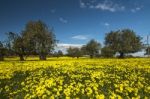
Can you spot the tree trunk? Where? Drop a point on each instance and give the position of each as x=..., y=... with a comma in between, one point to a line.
x=91, y=56
x=1, y=58
x=42, y=57
x=121, y=55
x=21, y=57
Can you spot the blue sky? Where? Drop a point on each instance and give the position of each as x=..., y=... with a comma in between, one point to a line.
x=76, y=21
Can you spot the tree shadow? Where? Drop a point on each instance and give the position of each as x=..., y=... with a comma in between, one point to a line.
x=12, y=88
x=13, y=84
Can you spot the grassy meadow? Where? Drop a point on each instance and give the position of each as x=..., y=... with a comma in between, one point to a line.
x=71, y=78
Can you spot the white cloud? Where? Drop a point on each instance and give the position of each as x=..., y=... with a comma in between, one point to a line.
x=106, y=24
x=91, y=7
x=52, y=10
x=134, y=10
x=61, y=19
x=64, y=45
x=138, y=8
x=82, y=4
x=80, y=37
x=105, y=6
x=109, y=6
x=141, y=53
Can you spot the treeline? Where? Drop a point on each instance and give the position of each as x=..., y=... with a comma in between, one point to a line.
x=37, y=39
x=120, y=43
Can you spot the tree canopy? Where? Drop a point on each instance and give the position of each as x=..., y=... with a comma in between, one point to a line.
x=147, y=51
x=16, y=45
x=92, y=48
x=74, y=52
x=2, y=51
x=39, y=38
x=123, y=41
x=107, y=52
x=58, y=54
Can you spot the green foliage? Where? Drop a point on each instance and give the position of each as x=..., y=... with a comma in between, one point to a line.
x=58, y=54
x=107, y=52
x=9, y=43
x=2, y=51
x=16, y=44
x=74, y=52
x=83, y=50
x=92, y=48
x=147, y=51
x=38, y=38
x=123, y=41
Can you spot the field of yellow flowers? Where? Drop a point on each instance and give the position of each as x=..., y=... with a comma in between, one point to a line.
x=68, y=78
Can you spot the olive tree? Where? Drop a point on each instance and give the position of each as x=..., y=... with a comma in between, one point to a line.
x=92, y=48
x=16, y=45
x=2, y=51
x=39, y=38
x=123, y=41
